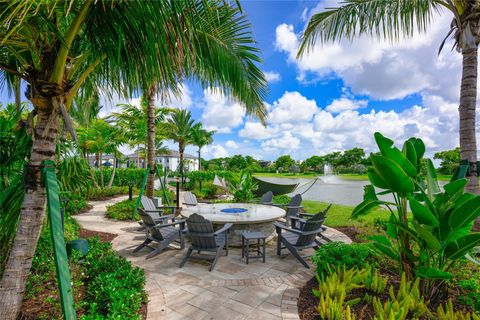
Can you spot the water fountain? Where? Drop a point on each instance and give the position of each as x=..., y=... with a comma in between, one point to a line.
x=327, y=172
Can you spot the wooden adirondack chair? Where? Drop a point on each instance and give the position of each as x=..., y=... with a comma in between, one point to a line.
x=296, y=240
x=205, y=238
x=298, y=221
x=157, y=213
x=164, y=233
x=292, y=208
x=267, y=198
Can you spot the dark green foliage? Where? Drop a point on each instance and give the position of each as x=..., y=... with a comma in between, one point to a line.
x=123, y=210
x=73, y=174
x=471, y=291
x=284, y=162
x=73, y=202
x=243, y=187
x=105, y=193
x=338, y=254
x=124, y=177
x=450, y=160
x=281, y=199
x=114, y=286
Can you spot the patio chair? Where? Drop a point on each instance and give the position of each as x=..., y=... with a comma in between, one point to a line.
x=299, y=220
x=204, y=238
x=164, y=233
x=292, y=208
x=267, y=198
x=157, y=213
x=296, y=240
x=189, y=199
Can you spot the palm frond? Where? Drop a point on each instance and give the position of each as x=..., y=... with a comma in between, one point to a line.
x=384, y=19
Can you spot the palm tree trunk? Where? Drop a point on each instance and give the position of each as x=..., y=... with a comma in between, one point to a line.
x=32, y=212
x=199, y=159
x=468, y=102
x=181, y=150
x=16, y=88
x=110, y=183
x=150, y=140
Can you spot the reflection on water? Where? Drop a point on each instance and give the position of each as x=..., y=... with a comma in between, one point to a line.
x=334, y=189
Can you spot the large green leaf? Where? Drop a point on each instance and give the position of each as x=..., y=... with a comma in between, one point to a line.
x=392, y=174
x=387, y=149
x=369, y=193
x=386, y=250
x=426, y=235
x=454, y=186
x=375, y=179
x=422, y=213
x=419, y=147
x=465, y=213
x=392, y=230
x=410, y=152
x=365, y=207
x=462, y=246
x=433, y=273
x=432, y=183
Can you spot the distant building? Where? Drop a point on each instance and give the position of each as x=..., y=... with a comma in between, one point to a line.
x=170, y=160
x=264, y=163
x=107, y=160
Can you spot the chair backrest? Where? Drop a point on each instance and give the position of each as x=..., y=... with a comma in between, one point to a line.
x=190, y=199
x=312, y=224
x=296, y=201
x=201, y=232
x=149, y=223
x=148, y=204
x=267, y=197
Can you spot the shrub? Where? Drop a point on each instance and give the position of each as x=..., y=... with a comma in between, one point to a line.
x=114, y=286
x=281, y=199
x=74, y=202
x=102, y=194
x=471, y=295
x=338, y=254
x=123, y=210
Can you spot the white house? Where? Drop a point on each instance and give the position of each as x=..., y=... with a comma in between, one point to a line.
x=170, y=160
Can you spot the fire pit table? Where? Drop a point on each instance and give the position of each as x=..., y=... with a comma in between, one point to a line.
x=243, y=216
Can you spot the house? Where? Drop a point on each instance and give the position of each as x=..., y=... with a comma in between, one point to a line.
x=170, y=160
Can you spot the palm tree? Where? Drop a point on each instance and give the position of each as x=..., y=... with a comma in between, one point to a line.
x=85, y=108
x=393, y=18
x=180, y=128
x=201, y=138
x=60, y=47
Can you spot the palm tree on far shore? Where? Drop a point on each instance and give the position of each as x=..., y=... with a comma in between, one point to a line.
x=201, y=138
x=180, y=128
x=392, y=19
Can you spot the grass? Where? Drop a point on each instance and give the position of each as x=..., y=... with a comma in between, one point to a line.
x=339, y=215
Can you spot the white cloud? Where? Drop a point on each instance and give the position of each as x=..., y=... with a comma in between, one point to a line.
x=292, y=107
x=220, y=113
x=182, y=101
x=255, y=130
x=344, y=104
x=272, y=76
x=287, y=142
x=381, y=69
x=215, y=151
x=231, y=144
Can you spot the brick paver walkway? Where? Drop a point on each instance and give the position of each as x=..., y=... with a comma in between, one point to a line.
x=233, y=290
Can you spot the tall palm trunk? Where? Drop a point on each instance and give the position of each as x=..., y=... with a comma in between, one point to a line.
x=150, y=141
x=181, y=150
x=468, y=102
x=112, y=177
x=16, y=88
x=100, y=167
x=199, y=159
x=32, y=212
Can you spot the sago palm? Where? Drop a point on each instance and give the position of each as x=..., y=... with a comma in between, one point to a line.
x=201, y=138
x=394, y=19
x=180, y=127
x=60, y=47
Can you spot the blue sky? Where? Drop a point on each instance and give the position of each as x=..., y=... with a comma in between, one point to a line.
x=337, y=96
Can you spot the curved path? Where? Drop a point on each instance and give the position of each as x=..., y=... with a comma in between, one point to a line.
x=233, y=290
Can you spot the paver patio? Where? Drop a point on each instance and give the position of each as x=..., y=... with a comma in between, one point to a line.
x=233, y=290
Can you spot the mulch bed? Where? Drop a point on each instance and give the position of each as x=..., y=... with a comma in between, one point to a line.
x=42, y=302
x=351, y=232
x=103, y=236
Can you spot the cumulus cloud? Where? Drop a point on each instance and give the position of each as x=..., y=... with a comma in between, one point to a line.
x=287, y=142
x=215, y=151
x=272, y=76
x=378, y=68
x=220, y=113
x=231, y=144
x=344, y=104
x=292, y=107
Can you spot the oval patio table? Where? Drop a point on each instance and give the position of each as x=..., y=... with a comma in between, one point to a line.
x=243, y=216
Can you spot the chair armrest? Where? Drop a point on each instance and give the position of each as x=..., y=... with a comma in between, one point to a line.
x=178, y=222
x=294, y=207
x=304, y=214
x=166, y=207
x=225, y=227
x=204, y=201
x=280, y=227
x=166, y=217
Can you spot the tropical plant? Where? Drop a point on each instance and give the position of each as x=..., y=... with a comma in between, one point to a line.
x=243, y=186
x=439, y=233
x=180, y=127
x=85, y=108
x=391, y=19
x=201, y=138
x=60, y=47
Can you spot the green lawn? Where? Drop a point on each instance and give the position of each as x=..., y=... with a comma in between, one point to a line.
x=339, y=215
